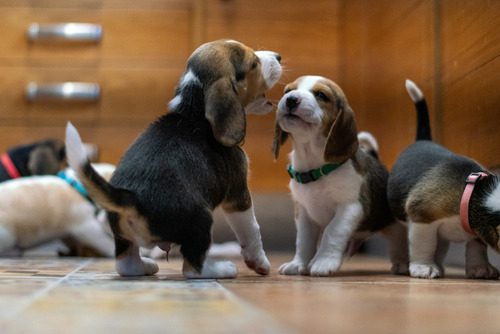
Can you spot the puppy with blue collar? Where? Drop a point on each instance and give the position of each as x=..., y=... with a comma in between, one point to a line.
x=338, y=185
x=443, y=197
x=36, y=210
x=187, y=163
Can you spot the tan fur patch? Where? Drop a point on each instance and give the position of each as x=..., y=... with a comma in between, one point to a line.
x=434, y=197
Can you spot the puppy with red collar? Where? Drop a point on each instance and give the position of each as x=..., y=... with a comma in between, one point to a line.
x=443, y=197
x=339, y=189
x=186, y=164
x=46, y=157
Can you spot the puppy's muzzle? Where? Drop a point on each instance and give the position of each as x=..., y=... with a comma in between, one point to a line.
x=292, y=103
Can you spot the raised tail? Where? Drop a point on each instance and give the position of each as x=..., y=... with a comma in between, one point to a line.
x=368, y=143
x=101, y=192
x=423, y=123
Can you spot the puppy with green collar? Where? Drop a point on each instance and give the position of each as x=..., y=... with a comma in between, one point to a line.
x=443, y=197
x=337, y=182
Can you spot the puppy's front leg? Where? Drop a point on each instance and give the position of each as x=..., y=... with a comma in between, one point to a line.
x=328, y=258
x=423, y=242
x=307, y=239
x=130, y=263
x=247, y=230
x=476, y=261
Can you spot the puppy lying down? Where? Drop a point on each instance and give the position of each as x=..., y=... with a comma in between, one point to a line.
x=40, y=209
x=186, y=164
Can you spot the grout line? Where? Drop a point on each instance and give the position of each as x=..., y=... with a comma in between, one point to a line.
x=41, y=293
x=259, y=316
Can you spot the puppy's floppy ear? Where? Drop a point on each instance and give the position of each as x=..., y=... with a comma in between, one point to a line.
x=224, y=112
x=342, y=139
x=280, y=138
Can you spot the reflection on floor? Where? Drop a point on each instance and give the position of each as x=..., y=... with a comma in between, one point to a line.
x=76, y=295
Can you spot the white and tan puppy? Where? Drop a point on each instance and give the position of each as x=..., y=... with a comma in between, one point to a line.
x=443, y=197
x=339, y=189
x=39, y=209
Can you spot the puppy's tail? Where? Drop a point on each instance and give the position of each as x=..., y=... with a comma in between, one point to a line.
x=423, y=123
x=110, y=198
x=368, y=143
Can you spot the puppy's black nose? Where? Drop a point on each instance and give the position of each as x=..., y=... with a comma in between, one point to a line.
x=292, y=102
x=278, y=58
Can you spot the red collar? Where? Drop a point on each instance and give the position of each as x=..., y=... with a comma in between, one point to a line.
x=464, y=203
x=9, y=166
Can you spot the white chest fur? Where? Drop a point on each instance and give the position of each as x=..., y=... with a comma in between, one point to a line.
x=321, y=198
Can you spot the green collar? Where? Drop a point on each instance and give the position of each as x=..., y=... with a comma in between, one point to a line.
x=313, y=174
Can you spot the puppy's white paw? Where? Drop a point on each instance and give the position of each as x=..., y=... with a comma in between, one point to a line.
x=482, y=271
x=213, y=269
x=400, y=269
x=418, y=270
x=293, y=268
x=324, y=266
x=260, y=264
x=131, y=267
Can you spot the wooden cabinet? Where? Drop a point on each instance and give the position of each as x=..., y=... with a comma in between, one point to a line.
x=136, y=64
x=451, y=50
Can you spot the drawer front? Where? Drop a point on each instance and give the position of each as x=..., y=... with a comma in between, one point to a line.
x=128, y=37
x=127, y=96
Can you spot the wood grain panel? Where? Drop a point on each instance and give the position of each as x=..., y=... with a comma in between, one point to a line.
x=391, y=43
x=471, y=114
x=470, y=37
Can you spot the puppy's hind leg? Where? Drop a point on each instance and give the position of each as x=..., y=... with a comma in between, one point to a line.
x=195, y=248
x=397, y=242
x=130, y=263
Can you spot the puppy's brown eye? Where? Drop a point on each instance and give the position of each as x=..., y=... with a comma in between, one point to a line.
x=255, y=63
x=288, y=91
x=321, y=96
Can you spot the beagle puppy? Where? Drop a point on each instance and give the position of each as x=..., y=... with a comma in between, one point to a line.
x=339, y=189
x=45, y=157
x=40, y=209
x=443, y=197
x=188, y=162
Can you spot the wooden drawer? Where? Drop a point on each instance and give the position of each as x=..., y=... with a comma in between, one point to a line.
x=127, y=95
x=128, y=35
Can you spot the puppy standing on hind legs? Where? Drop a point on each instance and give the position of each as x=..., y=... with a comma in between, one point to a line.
x=443, y=197
x=339, y=188
x=187, y=163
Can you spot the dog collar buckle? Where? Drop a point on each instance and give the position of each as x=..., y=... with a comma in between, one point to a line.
x=464, y=203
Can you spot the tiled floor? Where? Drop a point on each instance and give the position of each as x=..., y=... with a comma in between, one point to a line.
x=86, y=296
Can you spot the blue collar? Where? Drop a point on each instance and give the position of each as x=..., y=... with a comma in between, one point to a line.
x=76, y=185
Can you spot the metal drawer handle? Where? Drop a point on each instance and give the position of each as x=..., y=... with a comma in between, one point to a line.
x=71, y=32
x=66, y=91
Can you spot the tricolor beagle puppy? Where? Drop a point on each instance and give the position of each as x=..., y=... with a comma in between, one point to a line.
x=443, y=197
x=339, y=189
x=45, y=157
x=39, y=209
x=186, y=164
